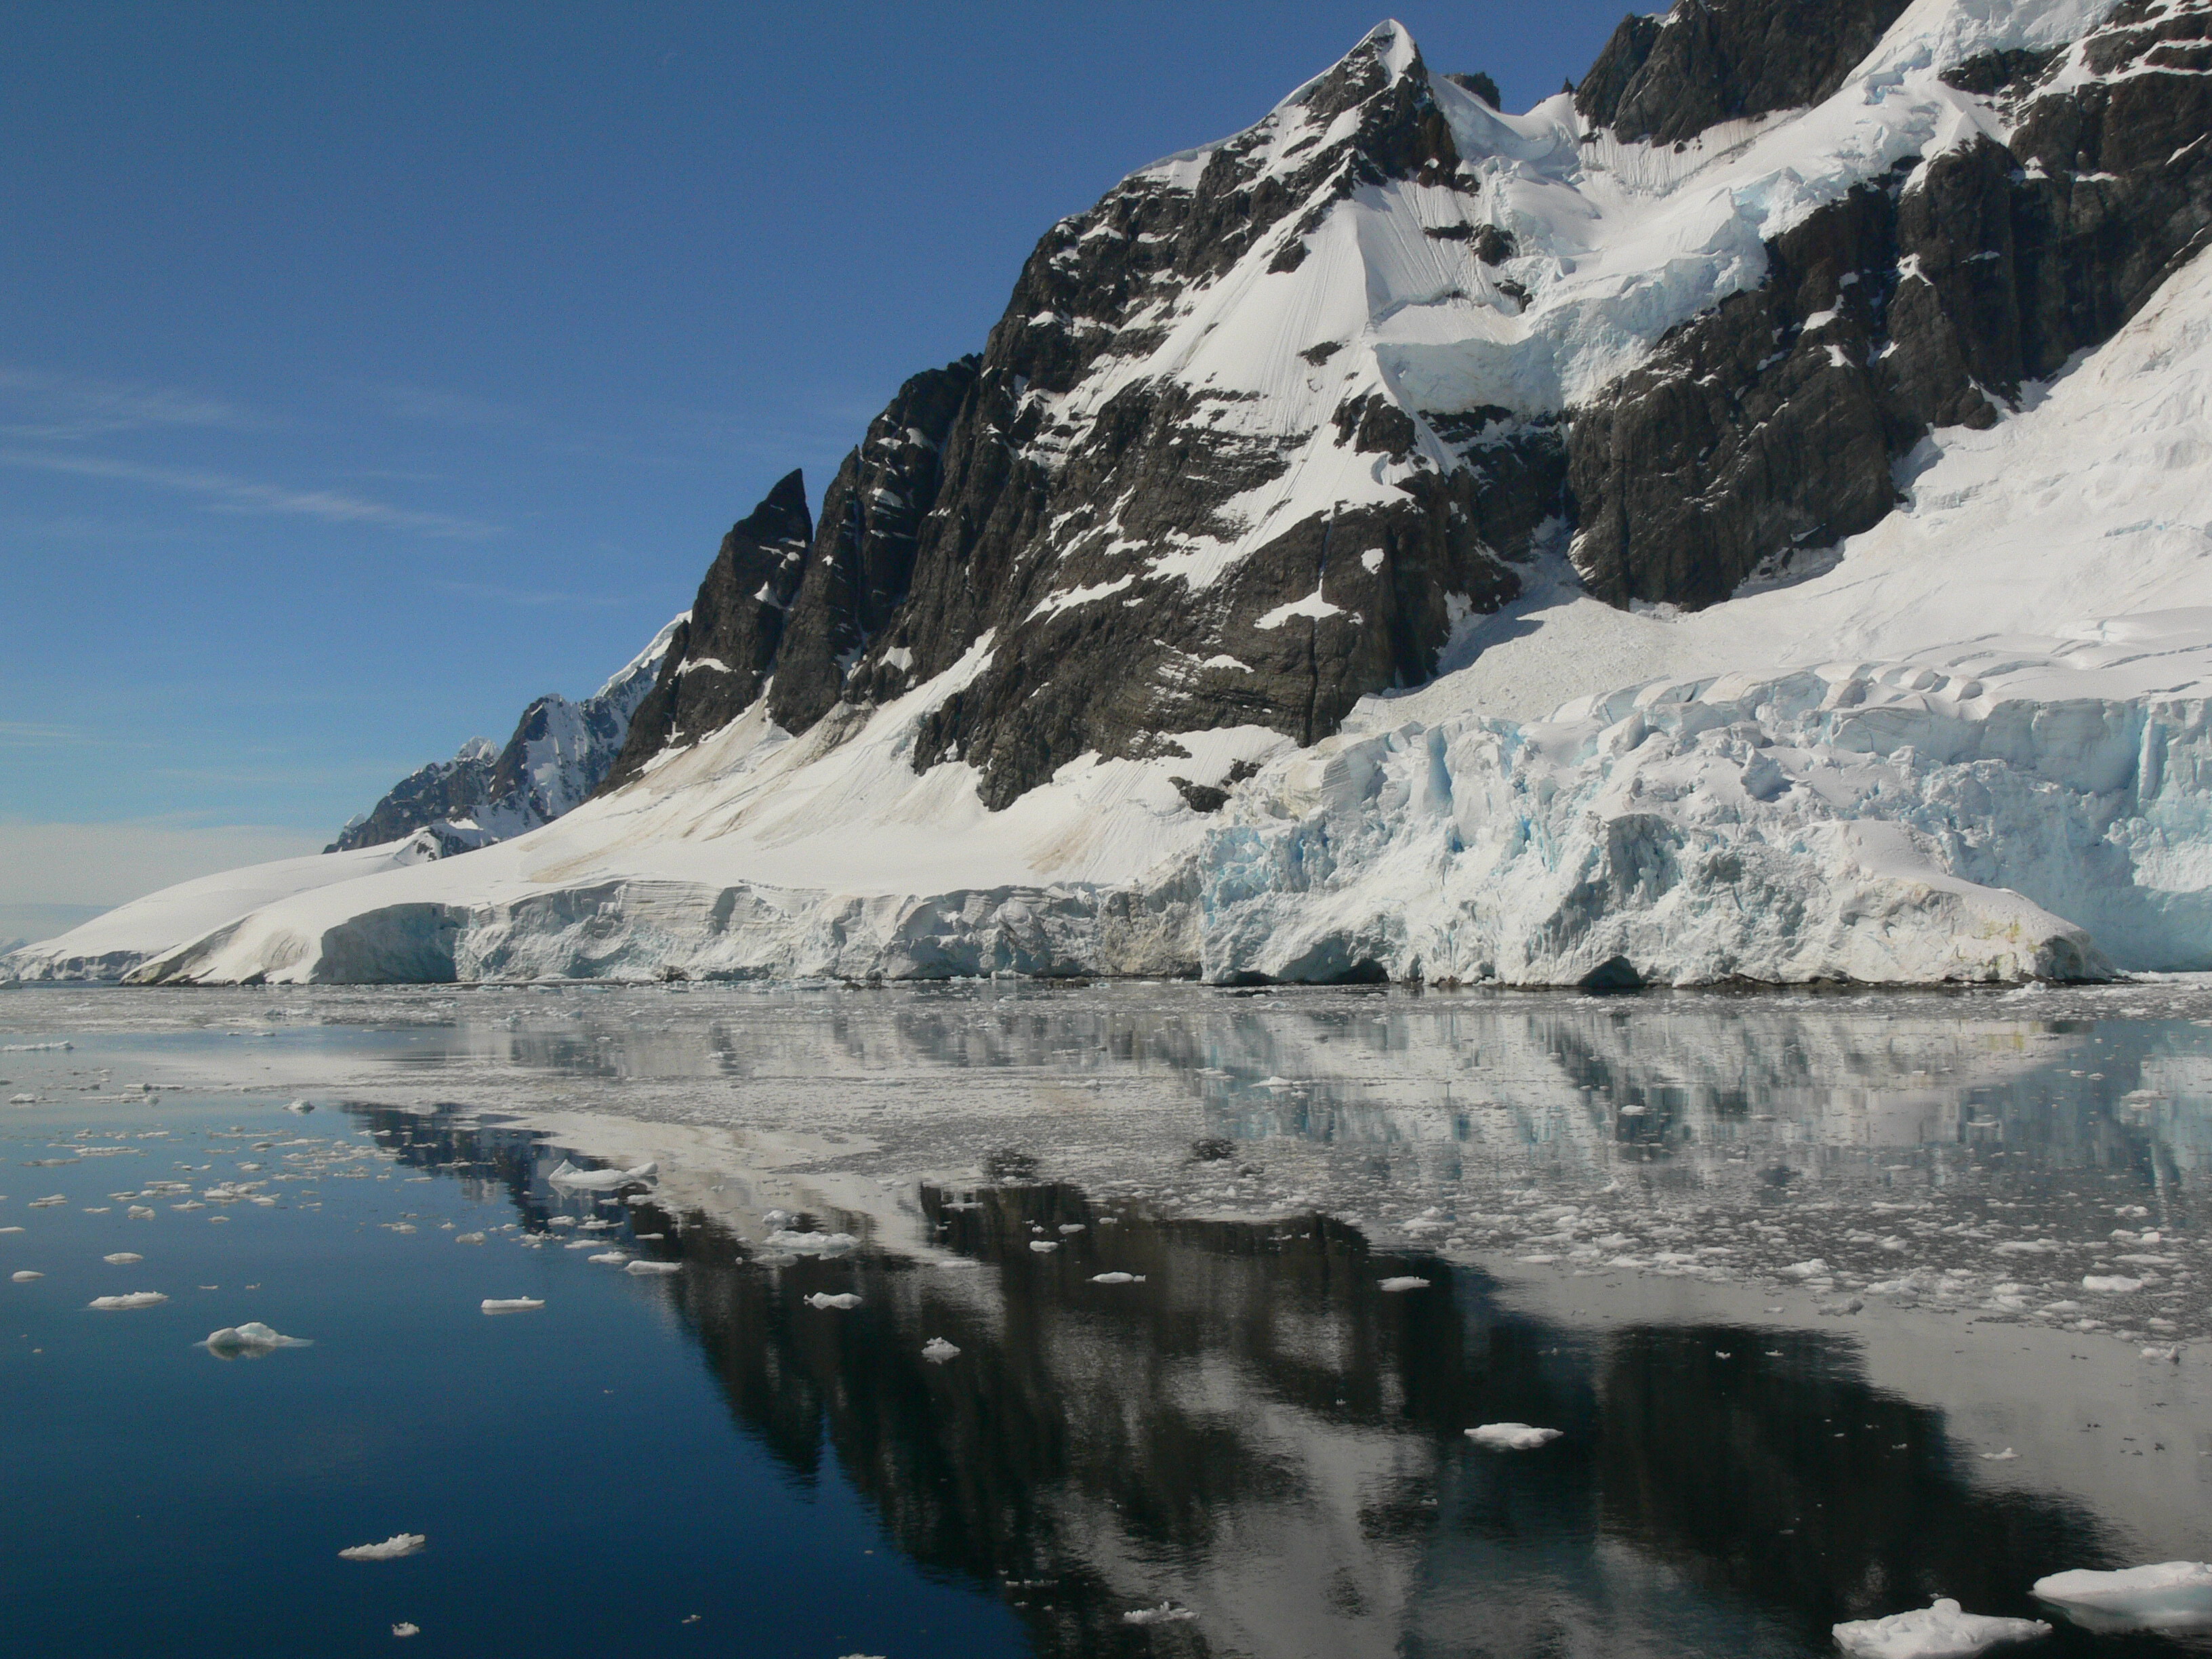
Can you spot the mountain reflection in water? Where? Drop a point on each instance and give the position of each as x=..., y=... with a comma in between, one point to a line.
x=1261, y=1433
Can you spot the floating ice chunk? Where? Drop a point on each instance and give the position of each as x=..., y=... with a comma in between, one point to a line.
x=400, y=1543
x=1812, y=1269
x=1512, y=1437
x=2171, y=1595
x=300, y=1106
x=26, y=1276
x=252, y=1338
x=1166, y=1613
x=2173, y=1353
x=468, y=1238
x=493, y=1305
x=1066, y=1227
x=22, y=1100
x=601, y=1181
x=49, y=1200
x=937, y=1351
x=1941, y=1631
x=1041, y=1245
x=811, y=1244
x=2008, y=1455
x=642, y=1268
x=1407, y=1282
x=127, y=1301
x=403, y=1629
x=1117, y=1278
x=2111, y=1285
x=845, y=1299
x=139, y=1213
x=122, y=1258
x=608, y=1258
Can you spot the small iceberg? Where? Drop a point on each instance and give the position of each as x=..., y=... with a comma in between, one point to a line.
x=811, y=1244
x=1041, y=1245
x=494, y=1305
x=602, y=1181
x=404, y=1629
x=26, y=1276
x=1166, y=1613
x=1117, y=1278
x=2008, y=1455
x=642, y=1268
x=844, y=1299
x=2171, y=1595
x=937, y=1351
x=301, y=1107
x=1405, y=1283
x=250, y=1340
x=1944, y=1630
x=1512, y=1437
x=128, y=1300
x=608, y=1259
x=2111, y=1284
x=122, y=1258
x=400, y=1543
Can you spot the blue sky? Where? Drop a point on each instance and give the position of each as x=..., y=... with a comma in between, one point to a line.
x=367, y=371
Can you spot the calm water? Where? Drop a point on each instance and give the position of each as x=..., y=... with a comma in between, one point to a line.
x=1254, y=1432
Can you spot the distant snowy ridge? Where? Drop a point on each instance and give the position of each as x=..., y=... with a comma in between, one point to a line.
x=557, y=757
x=1745, y=520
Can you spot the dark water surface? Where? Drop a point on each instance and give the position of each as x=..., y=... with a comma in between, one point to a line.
x=1254, y=1432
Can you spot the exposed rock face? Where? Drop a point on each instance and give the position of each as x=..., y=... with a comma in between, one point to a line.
x=557, y=755
x=1709, y=61
x=1774, y=421
x=1123, y=539
x=862, y=562
x=720, y=654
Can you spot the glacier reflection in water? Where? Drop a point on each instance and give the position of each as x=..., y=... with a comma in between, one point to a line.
x=1601, y=1195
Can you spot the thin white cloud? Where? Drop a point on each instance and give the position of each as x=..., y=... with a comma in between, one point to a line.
x=40, y=404
x=232, y=495
x=25, y=734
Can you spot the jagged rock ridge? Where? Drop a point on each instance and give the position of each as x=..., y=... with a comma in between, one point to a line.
x=558, y=754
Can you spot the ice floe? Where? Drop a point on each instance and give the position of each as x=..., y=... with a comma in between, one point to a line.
x=127, y=1301
x=252, y=1338
x=2170, y=1595
x=494, y=1304
x=1944, y=1630
x=1512, y=1437
x=602, y=1181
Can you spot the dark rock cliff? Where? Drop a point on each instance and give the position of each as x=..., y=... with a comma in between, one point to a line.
x=1773, y=422
x=1709, y=61
x=720, y=654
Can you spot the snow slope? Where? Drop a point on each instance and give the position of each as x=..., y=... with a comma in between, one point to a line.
x=111, y=945
x=1990, y=715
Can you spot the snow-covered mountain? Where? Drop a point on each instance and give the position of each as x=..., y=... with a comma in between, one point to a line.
x=1742, y=518
x=559, y=753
